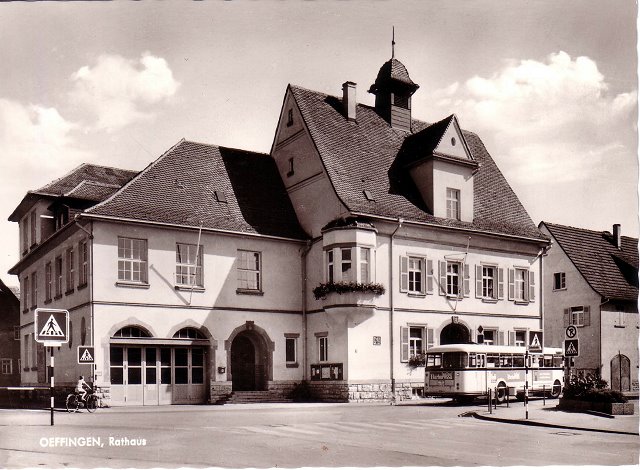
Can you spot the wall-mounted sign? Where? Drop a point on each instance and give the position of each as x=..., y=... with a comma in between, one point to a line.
x=377, y=340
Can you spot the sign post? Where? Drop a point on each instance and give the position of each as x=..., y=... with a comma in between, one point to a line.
x=571, y=350
x=51, y=329
x=534, y=345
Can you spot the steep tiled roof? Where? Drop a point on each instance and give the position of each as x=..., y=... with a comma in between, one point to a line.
x=95, y=174
x=91, y=191
x=360, y=155
x=217, y=187
x=611, y=272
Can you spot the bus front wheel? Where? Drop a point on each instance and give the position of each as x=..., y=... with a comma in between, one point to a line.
x=501, y=392
x=555, y=389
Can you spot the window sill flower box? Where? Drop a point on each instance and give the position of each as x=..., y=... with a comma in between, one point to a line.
x=348, y=293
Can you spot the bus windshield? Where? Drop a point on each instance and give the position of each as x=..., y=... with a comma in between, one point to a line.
x=447, y=360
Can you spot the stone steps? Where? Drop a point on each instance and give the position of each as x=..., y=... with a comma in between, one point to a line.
x=266, y=396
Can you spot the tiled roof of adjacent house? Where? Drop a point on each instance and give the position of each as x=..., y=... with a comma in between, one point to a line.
x=611, y=272
x=89, y=182
x=196, y=184
x=362, y=156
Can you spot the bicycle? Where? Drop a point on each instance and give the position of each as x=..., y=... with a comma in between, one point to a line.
x=73, y=402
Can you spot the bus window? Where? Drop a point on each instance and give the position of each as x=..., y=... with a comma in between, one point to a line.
x=481, y=360
x=434, y=360
x=454, y=360
x=518, y=360
x=536, y=361
x=557, y=361
x=493, y=360
x=506, y=360
x=548, y=361
x=472, y=360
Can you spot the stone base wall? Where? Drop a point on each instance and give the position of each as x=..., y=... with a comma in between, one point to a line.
x=218, y=392
x=330, y=391
x=282, y=389
x=365, y=392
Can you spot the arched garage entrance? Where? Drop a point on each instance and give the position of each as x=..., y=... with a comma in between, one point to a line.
x=454, y=333
x=250, y=355
x=621, y=373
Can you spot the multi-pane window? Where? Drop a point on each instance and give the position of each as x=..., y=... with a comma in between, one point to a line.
x=453, y=204
x=559, y=281
x=365, y=263
x=291, y=348
x=520, y=338
x=27, y=352
x=132, y=259
x=7, y=366
x=188, y=265
x=48, y=281
x=323, y=348
x=16, y=332
x=520, y=284
x=249, y=270
x=34, y=217
x=416, y=341
x=25, y=234
x=25, y=294
x=34, y=289
x=58, y=276
x=578, y=316
x=70, y=270
x=488, y=282
x=453, y=278
x=346, y=264
x=83, y=262
x=416, y=269
x=490, y=336
x=330, y=266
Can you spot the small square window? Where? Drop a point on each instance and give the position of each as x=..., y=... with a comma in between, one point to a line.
x=559, y=281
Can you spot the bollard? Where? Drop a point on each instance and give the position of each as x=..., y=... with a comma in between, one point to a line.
x=495, y=399
x=544, y=395
x=490, y=399
x=508, y=397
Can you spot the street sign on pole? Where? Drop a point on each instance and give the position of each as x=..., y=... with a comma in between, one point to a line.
x=571, y=331
x=86, y=355
x=571, y=348
x=535, y=341
x=51, y=326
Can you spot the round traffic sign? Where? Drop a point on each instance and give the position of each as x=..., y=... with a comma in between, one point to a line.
x=571, y=331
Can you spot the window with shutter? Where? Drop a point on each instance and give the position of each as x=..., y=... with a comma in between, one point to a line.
x=501, y=337
x=479, y=281
x=532, y=286
x=587, y=316
x=404, y=344
x=512, y=284
x=404, y=274
x=430, y=338
x=512, y=338
x=467, y=281
x=500, y=283
x=429, y=276
x=442, y=277
x=567, y=317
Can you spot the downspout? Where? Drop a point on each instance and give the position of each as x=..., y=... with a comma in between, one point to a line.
x=391, y=311
x=303, y=262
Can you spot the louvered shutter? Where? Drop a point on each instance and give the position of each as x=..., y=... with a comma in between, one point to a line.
x=567, y=317
x=404, y=344
x=442, y=275
x=512, y=338
x=478, y=281
x=430, y=338
x=500, y=338
x=429, y=276
x=404, y=274
x=500, y=283
x=467, y=280
x=423, y=275
x=512, y=284
x=532, y=286
x=587, y=316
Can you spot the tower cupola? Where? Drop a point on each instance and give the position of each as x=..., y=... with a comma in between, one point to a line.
x=393, y=89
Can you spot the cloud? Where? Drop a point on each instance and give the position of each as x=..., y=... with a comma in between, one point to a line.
x=119, y=91
x=552, y=120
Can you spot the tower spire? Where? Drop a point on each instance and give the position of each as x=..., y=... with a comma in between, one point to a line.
x=393, y=42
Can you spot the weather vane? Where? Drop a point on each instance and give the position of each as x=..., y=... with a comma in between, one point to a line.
x=393, y=42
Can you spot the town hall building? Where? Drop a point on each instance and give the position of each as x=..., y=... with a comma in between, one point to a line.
x=361, y=240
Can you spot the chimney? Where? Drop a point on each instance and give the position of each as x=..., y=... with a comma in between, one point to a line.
x=349, y=100
x=617, y=236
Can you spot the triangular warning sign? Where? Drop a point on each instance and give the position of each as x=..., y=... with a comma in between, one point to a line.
x=535, y=342
x=86, y=356
x=571, y=350
x=51, y=328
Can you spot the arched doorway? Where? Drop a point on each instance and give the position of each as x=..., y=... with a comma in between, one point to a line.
x=454, y=333
x=621, y=373
x=249, y=362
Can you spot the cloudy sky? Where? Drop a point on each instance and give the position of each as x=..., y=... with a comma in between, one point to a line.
x=549, y=86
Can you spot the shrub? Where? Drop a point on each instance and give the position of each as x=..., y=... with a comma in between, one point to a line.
x=417, y=361
x=593, y=389
x=321, y=291
x=302, y=393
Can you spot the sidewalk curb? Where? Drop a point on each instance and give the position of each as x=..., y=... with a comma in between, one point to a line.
x=549, y=425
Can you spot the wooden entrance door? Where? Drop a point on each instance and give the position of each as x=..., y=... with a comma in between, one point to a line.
x=243, y=364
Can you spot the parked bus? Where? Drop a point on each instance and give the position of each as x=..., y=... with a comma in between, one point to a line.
x=466, y=371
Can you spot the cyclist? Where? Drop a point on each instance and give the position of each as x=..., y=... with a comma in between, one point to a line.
x=80, y=388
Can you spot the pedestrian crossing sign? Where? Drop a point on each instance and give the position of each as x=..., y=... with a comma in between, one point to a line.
x=571, y=348
x=51, y=326
x=535, y=341
x=86, y=355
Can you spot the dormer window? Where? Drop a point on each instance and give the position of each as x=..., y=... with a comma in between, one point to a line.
x=453, y=203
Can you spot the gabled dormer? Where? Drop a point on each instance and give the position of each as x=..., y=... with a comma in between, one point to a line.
x=442, y=167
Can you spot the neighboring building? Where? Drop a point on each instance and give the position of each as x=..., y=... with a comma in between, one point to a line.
x=9, y=337
x=591, y=281
x=195, y=277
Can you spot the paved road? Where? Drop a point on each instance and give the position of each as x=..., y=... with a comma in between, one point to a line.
x=297, y=436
